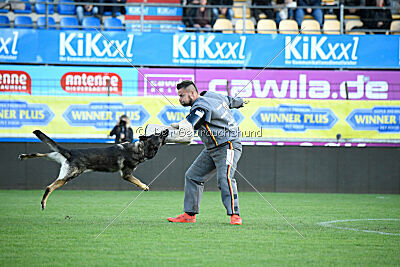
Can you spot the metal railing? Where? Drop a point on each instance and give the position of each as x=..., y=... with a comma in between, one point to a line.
x=339, y=7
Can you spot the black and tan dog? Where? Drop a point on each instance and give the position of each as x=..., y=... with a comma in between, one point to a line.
x=121, y=157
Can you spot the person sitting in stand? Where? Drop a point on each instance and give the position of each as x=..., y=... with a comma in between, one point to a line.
x=225, y=11
x=202, y=17
x=284, y=10
x=262, y=13
x=315, y=12
x=81, y=9
x=377, y=19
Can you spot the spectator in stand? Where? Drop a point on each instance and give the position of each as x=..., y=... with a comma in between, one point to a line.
x=315, y=12
x=186, y=11
x=201, y=17
x=262, y=13
x=284, y=10
x=351, y=11
x=114, y=9
x=377, y=19
x=81, y=9
x=227, y=12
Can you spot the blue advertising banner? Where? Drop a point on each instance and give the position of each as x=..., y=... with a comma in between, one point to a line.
x=15, y=114
x=294, y=118
x=381, y=119
x=199, y=49
x=103, y=115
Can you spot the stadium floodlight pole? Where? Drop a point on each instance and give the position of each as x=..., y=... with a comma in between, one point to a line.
x=133, y=200
x=130, y=62
x=266, y=66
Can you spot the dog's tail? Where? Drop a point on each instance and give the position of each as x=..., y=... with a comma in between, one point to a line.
x=52, y=144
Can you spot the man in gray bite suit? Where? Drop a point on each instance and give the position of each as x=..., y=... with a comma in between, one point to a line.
x=211, y=116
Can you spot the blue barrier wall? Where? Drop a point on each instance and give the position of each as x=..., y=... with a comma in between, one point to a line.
x=199, y=49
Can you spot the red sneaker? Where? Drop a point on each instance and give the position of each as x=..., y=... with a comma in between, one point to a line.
x=183, y=218
x=236, y=220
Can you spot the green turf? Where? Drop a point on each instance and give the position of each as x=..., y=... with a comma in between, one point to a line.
x=64, y=234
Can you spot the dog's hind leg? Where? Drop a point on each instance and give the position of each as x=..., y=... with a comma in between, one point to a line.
x=34, y=155
x=56, y=184
x=54, y=156
x=126, y=175
x=67, y=173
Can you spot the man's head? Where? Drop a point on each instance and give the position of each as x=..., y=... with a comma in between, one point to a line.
x=124, y=120
x=187, y=92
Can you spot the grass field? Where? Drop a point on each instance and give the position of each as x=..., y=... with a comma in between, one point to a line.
x=64, y=234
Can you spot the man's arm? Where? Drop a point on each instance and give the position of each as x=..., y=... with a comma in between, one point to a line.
x=197, y=117
x=236, y=102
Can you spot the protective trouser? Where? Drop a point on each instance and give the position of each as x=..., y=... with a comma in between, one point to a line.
x=224, y=159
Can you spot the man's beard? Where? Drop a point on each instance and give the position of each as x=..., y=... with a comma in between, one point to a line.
x=189, y=104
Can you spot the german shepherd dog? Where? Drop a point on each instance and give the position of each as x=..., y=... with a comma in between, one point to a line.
x=123, y=157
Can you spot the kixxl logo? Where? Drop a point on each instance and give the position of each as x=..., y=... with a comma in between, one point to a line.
x=192, y=46
x=8, y=45
x=320, y=48
x=89, y=44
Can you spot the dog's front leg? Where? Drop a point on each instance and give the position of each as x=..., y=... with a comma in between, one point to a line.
x=129, y=177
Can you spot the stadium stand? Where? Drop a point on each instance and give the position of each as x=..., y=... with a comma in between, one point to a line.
x=41, y=22
x=113, y=24
x=69, y=23
x=330, y=16
x=23, y=22
x=395, y=27
x=166, y=18
x=3, y=5
x=41, y=8
x=4, y=22
x=224, y=25
x=27, y=10
x=288, y=26
x=350, y=24
x=238, y=10
x=310, y=26
x=266, y=26
x=248, y=27
x=64, y=9
x=90, y=23
x=331, y=26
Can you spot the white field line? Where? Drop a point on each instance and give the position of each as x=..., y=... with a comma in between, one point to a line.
x=330, y=224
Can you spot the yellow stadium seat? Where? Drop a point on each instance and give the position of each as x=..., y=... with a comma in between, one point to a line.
x=328, y=2
x=249, y=26
x=329, y=16
x=266, y=26
x=238, y=10
x=224, y=25
x=351, y=17
x=288, y=26
x=350, y=24
x=308, y=17
x=395, y=27
x=395, y=16
x=310, y=26
x=331, y=26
